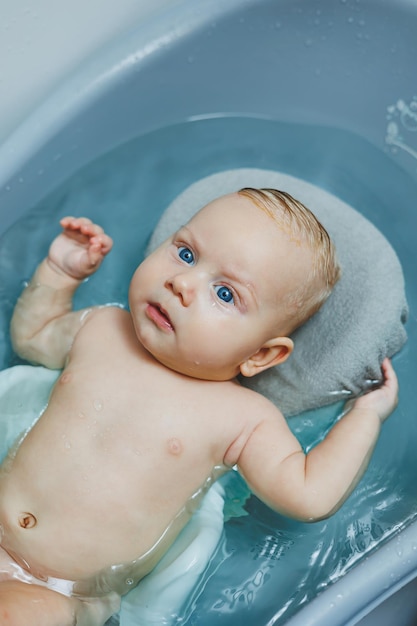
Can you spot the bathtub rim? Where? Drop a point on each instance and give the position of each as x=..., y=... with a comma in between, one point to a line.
x=366, y=586
x=101, y=71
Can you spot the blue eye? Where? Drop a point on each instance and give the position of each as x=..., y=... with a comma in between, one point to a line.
x=224, y=293
x=186, y=255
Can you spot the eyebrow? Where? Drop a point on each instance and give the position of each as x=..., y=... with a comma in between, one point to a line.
x=230, y=272
x=237, y=277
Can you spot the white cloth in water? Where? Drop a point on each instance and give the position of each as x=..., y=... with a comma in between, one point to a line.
x=24, y=393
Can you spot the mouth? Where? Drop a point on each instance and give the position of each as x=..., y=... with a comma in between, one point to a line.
x=159, y=316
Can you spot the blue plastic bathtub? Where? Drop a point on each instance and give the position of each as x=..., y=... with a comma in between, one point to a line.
x=308, y=68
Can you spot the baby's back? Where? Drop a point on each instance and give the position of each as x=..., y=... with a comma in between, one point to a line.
x=122, y=446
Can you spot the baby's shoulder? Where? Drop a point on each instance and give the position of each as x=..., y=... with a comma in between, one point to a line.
x=244, y=402
x=108, y=310
x=102, y=325
x=100, y=315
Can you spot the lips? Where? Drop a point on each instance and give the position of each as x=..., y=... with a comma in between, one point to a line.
x=160, y=317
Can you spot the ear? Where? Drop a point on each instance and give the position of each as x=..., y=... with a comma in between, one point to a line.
x=273, y=352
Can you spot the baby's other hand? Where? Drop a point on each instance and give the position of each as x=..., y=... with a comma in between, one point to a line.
x=384, y=399
x=79, y=250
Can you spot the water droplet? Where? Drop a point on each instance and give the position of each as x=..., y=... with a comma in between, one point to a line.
x=129, y=581
x=68, y=445
x=98, y=405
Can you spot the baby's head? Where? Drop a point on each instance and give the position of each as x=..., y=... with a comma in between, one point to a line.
x=222, y=295
x=304, y=229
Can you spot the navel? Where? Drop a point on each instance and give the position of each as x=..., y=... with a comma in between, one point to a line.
x=174, y=446
x=27, y=520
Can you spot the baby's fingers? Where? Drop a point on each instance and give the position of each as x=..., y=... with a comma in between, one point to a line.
x=384, y=399
x=390, y=377
x=100, y=245
x=82, y=225
x=74, y=223
x=388, y=390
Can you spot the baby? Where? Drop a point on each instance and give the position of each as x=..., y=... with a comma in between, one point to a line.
x=147, y=411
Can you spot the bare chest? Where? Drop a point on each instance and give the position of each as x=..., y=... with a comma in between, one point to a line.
x=115, y=415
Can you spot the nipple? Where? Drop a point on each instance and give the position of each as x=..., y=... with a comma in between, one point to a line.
x=27, y=520
x=174, y=446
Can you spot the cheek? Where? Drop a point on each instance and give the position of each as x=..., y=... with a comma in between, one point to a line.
x=142, y=278
x=214, y=337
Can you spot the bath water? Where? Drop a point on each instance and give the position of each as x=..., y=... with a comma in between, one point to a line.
x=267, y=566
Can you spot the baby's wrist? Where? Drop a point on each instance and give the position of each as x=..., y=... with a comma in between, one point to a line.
x=367, y=418
x=370, y=410
x=49, y=274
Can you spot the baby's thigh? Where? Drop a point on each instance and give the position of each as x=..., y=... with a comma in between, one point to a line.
x=21, y=596
x=23, y=603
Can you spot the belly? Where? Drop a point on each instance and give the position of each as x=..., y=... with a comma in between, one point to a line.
x=75, y=501
x=70, y=512
x=100, y=478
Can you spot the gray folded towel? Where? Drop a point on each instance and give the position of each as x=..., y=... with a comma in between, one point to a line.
x=338, y=352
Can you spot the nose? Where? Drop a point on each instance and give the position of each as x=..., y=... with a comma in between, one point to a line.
x=183, y=286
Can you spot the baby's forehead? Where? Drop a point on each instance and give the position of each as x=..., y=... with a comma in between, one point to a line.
x=230, y=206
x=241, y=215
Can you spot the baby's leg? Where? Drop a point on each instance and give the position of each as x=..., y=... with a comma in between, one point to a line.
x=24, y=603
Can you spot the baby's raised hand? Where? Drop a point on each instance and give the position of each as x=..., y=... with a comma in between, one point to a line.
x=384, y=399
x=79, y=250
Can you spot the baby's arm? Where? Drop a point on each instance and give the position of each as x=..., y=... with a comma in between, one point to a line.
x=43, y=324
x=313, y=486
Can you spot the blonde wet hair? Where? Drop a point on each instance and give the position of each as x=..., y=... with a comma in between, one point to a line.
x=303, y=227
